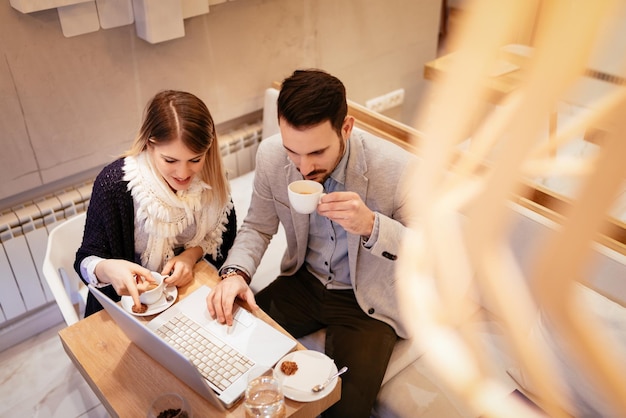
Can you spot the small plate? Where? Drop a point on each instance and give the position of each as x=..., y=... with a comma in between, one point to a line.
x=307, y=360
x=155, y=308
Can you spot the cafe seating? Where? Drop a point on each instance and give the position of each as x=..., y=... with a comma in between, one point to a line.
x=67, y=288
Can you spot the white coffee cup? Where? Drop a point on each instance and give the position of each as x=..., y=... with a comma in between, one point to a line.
x=305, y=195
x=153, y=295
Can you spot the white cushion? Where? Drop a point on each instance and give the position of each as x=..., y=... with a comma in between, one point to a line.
x=404, y=353
x=270, y=113
x=584, y=398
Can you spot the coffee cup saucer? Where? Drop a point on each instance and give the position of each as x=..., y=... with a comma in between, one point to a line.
x=157, y=307
x=313, y=368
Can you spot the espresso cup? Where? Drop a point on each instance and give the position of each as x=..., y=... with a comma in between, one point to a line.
x=305, y=195
x=154, y=293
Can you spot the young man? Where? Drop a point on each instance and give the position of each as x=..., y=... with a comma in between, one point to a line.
x=338, y=271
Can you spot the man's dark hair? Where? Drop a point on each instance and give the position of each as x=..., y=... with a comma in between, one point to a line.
x=310, y=97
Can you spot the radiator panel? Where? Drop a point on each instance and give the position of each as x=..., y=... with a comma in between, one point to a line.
x=35, y=237
x=11, y=303
x=24, y=270
x=37, y=241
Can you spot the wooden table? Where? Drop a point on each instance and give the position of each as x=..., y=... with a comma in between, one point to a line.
x=496, y=87
x=123, y=376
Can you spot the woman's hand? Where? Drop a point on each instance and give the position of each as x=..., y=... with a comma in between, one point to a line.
x=180, y=268
x=123, y=276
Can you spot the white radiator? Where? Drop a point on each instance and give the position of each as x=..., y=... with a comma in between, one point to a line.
x=24, y=229
x=239, y=149
x=23, y=235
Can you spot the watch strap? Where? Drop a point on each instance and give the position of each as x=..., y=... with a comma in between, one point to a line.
x=233, y=271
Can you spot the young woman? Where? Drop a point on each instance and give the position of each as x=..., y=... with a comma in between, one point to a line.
x=161, y=207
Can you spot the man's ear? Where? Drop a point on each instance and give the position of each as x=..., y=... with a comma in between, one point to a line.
x=346, y=128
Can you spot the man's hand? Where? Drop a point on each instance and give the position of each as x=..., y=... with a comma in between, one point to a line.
x=348, y=210
x=221, y=300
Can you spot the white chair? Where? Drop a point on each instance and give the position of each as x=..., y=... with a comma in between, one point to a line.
x=58, y=268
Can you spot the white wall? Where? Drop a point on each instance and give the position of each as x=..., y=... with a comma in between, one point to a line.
x=71, y=104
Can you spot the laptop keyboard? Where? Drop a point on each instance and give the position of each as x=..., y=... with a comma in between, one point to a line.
x=219, y=363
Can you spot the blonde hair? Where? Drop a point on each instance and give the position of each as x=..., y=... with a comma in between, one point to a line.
x=176, y=114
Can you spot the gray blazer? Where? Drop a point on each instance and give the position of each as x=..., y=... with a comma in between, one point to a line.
x=379, y=172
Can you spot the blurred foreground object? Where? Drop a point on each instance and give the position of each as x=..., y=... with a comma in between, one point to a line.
x=459, y=257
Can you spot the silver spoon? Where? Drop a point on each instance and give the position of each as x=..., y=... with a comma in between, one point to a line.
x=168, y=297
x=319, y=388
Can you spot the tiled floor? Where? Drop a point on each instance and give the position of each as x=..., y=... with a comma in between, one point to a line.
x=37, y=379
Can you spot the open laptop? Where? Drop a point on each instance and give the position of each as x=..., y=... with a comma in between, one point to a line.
x=256, y=345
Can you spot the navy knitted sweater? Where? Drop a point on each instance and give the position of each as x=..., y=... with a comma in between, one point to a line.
x=111, y=227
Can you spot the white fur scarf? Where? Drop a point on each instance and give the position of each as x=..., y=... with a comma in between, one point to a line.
x=166, y=214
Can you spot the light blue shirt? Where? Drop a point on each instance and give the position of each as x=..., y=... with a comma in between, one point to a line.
x=327, y=252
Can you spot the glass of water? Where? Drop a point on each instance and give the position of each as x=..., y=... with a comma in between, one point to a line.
x=264, y=397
